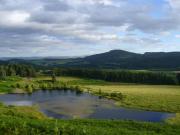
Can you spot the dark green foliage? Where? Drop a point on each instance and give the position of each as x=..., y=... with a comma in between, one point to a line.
x=18, y=85
x=46, y=85
x=178, y=77
x=10, y=71
x=29, y=88
x=17, y=69
x=121, y=76
x=2, y=72
x=115, y=96
x=120, y=59
x=115, y=59
x=14, y=125
x=54, y=78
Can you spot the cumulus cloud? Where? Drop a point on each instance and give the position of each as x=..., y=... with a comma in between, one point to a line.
x=13, y=18
x=39, y=25
x=175, y=4
x=177, y=36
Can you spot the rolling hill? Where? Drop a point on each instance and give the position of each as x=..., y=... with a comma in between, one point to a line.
x=128, y=60
x=115, y=59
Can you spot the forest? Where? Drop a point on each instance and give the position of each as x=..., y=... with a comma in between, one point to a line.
x=17, y=70
x=144, y=90
x=126, y=76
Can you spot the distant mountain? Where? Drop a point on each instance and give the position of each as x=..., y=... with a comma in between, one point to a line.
x=128, y=60
x=36, y=58
x=115, y=59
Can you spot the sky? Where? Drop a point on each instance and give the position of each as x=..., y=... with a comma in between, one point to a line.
x=84, y=27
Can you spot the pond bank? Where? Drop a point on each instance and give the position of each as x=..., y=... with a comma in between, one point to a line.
x=70, y=104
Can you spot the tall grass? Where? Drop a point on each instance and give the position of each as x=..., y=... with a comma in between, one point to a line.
x=27, y=121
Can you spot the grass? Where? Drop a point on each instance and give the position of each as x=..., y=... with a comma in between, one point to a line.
x=174, y=120
x=27, y=121
x=148, y=97
x=5, y=85
x=21, y=111
x=158, y=98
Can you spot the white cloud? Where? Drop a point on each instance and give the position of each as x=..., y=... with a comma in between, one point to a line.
x=41, y=25
x=99, y=37
x=13, y=18
x=175, y=4
x=105, y=2
x=177, y=36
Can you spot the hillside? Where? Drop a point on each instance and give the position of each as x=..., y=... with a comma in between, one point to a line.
x=128, y=60
x=115, y=59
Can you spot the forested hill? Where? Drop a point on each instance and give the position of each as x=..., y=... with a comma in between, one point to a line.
x=128, y=60
x=115, y=59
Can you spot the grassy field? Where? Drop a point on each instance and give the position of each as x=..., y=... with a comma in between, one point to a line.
x=27, y=120
x=5, y=85
x=164, y=98
x=147, y=97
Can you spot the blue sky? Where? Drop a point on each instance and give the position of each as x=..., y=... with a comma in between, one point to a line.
x=84, y=27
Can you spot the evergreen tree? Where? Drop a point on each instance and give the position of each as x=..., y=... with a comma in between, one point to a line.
x=2, y=72
x=17, y=69
x=11, y=72
x=121, y=76
x=54, y=78
x=178, y=77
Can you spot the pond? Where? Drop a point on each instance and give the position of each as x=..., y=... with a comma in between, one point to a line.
x=70, y=104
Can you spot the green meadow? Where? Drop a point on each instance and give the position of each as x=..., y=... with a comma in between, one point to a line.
x=165, y=98
x=27, y=120
x=149, y=97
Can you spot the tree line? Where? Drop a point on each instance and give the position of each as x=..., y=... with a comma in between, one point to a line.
x=17, y=70
x=144, y=77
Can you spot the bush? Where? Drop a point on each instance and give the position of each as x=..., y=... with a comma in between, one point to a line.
x=28, y=88
x=18, y=85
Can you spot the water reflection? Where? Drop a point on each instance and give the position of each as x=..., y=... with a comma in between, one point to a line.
x=67, y=104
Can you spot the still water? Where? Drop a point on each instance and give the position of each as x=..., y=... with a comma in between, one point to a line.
x=70, y=104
